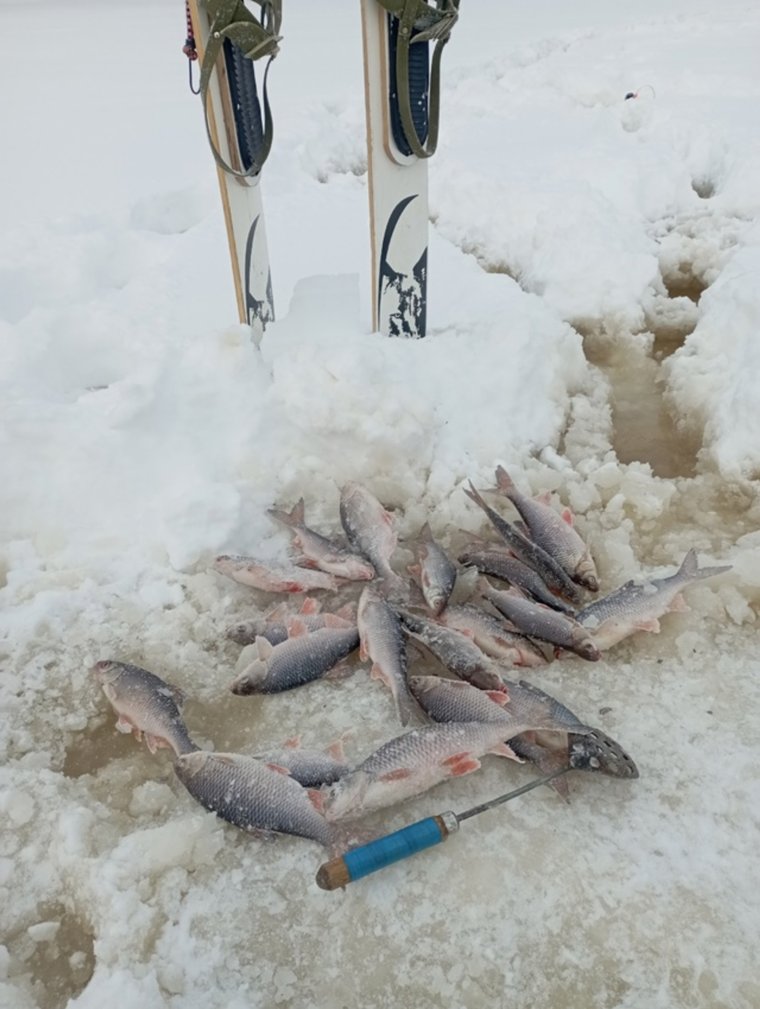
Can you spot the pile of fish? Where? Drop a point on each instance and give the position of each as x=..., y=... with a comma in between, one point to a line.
x=474, y=709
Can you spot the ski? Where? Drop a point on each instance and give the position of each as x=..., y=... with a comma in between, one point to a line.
x=402, y=90
x=228, y=38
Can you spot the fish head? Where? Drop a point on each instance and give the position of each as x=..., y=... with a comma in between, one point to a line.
x=596, y=751
x=585, y=573
x=344, y=798
x=227, y=563
x=251, y=678
x=188, y=765
x=584, y=645
x=106, y=671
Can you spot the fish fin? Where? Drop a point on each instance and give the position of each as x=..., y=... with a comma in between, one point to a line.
x=296, y=628
x=651, y=624
x=152, y=742
x=264, y=648
x=378, y=673
x=415, y=570
x=335, y=750
x=461, y=763
x=178, y=694
x=500, y=697
x=278, y=768
x=426, y=533
x=398, y=775
x=292, y=518
x=504, y=481
x=363, y=653
x=407, y=707
x=502, y=750
x=278, y=614
x=123, y=724
x=678, y=605
x=336, y=622
x=347, y=612
x=567, y=516
x=291, y=743
x=302, y=561
x=473, y=495
x=690, y=565
x=310, y=606
x=317, y=799
x=544, y=498
x=340, y=671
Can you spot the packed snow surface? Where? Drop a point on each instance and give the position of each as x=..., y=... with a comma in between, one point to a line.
x=594, y=316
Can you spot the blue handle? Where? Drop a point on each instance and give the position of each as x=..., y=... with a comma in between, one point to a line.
x=393, y=847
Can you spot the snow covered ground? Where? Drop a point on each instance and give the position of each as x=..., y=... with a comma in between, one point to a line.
x=594, y=314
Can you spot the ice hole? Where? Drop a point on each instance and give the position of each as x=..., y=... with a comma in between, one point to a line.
x=55, y=962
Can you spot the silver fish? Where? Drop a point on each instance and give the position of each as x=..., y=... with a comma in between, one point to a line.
x=553, y=574
x=383, y=641
x=252, y=795
x=553, y=531
x=433, y=571
x=318, y=551
x=458, y=701
x=502, y=565
x=278, y=625
x=310, y=768
x=415, y=762
x=579, y=745
x=370, y=531
x=295, y=661
x=557, y=739
x=637, y=606
x=492, y=635
x=270, y=576
x=541, y=622
x=145, y=704
x=455, y=651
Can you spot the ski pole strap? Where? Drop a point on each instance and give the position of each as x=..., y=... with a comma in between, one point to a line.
x=230, y=20
x=419, y=22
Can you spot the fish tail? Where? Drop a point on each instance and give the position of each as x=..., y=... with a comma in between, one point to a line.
x=473, y=495
x=407, y=707
x=504, y=482
x=690, y=568
x=294, y=518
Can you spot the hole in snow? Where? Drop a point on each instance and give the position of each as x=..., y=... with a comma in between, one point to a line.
x=644, y=430
x=684, y=283
x=54, y=956
x=95, y=748
x=703, y=187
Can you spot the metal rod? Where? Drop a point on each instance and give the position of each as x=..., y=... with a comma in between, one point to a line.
x=511, y=795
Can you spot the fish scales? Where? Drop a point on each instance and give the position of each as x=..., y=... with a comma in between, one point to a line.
x=434, y=570
x=413, y=763
x=270, y=576
x=370, y=530
x=528, y=551
x=246, y=792
x=145, y=704
x=383, y=641
x=296, y=661
x=554, y=532
x=638, y=605
x=327, y=554
x=510, y=569
x=541, y=622
x=456, y=651
x=492, y=636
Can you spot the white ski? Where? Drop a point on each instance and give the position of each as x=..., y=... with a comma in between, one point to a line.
x=398, y=179
x=241, y=195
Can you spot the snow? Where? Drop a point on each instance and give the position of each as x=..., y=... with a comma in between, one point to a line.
x=593, y=310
